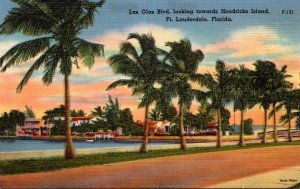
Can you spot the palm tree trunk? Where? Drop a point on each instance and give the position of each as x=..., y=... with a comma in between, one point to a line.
x=290, y=128
x=144, y=146
x=274, y=124
x=69, y=148
x=264, y=140
x=219, y=143
x=181, y=128
x=242, y=143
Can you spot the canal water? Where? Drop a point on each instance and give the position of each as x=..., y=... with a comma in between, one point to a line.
x=10, y=145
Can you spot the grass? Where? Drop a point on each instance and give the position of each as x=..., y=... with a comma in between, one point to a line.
x=55, y=163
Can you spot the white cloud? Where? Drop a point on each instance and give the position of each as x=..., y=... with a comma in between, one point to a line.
x=161, y=34
x=249, y=42
x=6, y=45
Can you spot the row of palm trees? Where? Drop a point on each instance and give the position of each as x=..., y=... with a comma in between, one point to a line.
x=158, y=76
x=155, y=74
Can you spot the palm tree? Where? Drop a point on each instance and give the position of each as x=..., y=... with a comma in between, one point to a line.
x=219, y=90
x=243, y=94
x=279, y=85
x=263, y=81
x=29, y=112
x=56, y=27
x=290, y=102
x=99, y=112
x=154, y=114
x=143, y=72
x=181, y=65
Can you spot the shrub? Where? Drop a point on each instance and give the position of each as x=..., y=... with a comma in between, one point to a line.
x=174, y=131
x=248, y=123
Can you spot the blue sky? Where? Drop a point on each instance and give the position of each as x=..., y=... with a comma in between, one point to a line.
x=248, y=37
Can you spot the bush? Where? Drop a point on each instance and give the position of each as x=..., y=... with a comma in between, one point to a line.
x=248, y=130
x=58, y=128
x=174, y=131
x=133, y=130
x=204, y=133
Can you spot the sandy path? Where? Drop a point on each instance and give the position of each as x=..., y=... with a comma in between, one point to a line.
x=196, y=170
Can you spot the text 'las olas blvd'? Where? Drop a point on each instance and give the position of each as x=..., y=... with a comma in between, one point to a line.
x=197, y=15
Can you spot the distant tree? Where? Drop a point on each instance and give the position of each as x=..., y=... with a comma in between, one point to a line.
x=204, y=116
x=55, y=112
x=174, y=131
x=9, y=121
x=99, y=112
x=58, y=128
x=77, y=113
x=225, y=116
x=29, y=112
x=155, y=114
x=190, y=119
x=127, y=123
x=112, y=112
x=125, y=117
x=248, y=124
x=16, y=117
x=169, y=113
x=199, y=120
x=5, y=123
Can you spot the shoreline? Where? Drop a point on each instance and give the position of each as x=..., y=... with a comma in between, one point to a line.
x=86, y=151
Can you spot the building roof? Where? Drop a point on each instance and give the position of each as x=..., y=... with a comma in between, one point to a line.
x=81, y=118
x=212, y=124
x=150, y=123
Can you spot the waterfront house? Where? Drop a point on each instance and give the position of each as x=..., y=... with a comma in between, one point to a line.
x=164, y=127
x=33, y=126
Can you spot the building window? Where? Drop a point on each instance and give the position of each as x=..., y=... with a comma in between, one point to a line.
x=167, y=129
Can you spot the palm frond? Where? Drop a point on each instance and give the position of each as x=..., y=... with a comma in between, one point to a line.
x=122, y=82
x=50, y=68
x=22, y=52
x=87, y=51
x=87, y=18
x=128, y=49
x=44, y=58
x=30, y=18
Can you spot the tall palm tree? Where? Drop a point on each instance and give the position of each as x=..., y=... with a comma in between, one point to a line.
x=181, y=65
x=56, y=28
x=279, y=85
x=243, y=94
x=142, y=70
x=290, y=101
x=263, y=81
x=219, y=91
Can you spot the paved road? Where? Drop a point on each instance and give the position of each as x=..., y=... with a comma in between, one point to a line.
x=283, y=178
x=195, y=170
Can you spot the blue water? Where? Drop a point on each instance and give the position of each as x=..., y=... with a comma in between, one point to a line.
x=9, y=145
x=236, y=128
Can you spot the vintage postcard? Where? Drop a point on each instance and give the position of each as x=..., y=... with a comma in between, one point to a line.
x=149, y=94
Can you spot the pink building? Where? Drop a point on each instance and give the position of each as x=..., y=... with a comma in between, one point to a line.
x=33, y=127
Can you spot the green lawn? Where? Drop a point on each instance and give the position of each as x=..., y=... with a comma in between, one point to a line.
x=50, y=164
